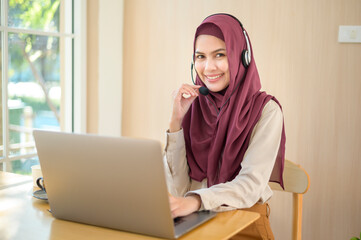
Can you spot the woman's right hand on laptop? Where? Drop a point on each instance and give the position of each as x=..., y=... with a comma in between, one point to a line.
x=183, y=206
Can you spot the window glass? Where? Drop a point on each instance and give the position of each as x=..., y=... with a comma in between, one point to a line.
x=21, y=166
x=34, y=92
x=34, y=14
x=36, y=76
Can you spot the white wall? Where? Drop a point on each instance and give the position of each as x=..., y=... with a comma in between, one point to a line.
x=110, y=67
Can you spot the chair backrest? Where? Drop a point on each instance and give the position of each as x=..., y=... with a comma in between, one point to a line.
x=296, y=181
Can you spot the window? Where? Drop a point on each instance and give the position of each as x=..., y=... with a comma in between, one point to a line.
x=37, y=73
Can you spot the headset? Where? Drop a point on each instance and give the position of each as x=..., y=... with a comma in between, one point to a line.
x=246, y=53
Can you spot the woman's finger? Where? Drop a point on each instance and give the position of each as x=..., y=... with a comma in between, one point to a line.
x=186, y=93
x=192, y=88
x=173, y=203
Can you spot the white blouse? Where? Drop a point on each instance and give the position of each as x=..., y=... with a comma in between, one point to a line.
x=249, y=186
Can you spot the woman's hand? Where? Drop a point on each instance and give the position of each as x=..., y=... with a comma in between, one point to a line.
x=182, y=206
x=183, y=98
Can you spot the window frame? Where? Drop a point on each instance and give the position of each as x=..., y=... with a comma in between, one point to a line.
x=73, y=83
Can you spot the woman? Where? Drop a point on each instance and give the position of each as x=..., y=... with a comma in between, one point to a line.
x=224, y=147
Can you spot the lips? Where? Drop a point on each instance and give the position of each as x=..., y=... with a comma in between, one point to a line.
x=213, y=77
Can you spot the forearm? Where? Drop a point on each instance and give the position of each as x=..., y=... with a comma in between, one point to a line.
x=243, y=192
x=175, y=125
x=175, y=161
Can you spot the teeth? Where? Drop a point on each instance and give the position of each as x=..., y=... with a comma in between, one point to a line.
x=214, y=77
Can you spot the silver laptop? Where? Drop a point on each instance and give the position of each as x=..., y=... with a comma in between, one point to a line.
x=111, y=182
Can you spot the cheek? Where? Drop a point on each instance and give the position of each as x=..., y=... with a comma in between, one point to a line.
x=224, y=67
x=199, y=67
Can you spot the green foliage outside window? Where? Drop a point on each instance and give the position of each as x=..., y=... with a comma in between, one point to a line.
x=34, y=61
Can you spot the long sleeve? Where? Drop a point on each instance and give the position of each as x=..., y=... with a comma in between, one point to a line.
x=175, y=162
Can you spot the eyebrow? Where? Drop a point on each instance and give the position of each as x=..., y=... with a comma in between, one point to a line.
x=218, y=50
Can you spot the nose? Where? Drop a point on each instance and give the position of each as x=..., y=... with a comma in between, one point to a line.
x=210, y=65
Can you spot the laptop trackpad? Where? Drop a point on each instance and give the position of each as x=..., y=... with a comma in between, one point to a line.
x=185, y=224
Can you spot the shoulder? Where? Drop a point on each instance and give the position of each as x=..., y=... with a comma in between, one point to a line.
x=271, y=119
x=271, y=108
x=271, y=113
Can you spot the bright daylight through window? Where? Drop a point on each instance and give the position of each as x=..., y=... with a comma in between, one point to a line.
x=36, y=58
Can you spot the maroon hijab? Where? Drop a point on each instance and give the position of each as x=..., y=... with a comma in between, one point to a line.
x=216, y=141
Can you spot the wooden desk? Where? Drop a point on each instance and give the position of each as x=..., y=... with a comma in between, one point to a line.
x=10, y=179
x=24, y=217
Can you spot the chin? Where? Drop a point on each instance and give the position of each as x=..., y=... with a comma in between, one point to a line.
x=216, y=88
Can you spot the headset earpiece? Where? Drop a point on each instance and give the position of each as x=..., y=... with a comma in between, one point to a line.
x=246, y=54
x=245, y=58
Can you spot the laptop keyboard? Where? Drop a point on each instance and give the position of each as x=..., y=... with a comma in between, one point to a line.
x=178, y=220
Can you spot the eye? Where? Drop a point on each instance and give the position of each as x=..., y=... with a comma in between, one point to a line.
x=220, y=55
x=199, y=56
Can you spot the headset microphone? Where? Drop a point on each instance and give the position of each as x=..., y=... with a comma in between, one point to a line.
x=203, y=90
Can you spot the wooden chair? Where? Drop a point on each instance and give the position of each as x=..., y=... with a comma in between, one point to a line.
x=296, y=181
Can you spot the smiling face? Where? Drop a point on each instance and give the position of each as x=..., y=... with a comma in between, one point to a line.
x=211, y=62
